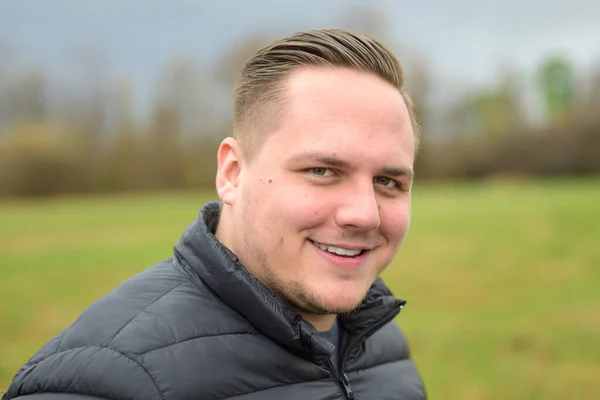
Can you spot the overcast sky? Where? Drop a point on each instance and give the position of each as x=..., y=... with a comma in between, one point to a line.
x=460, y=38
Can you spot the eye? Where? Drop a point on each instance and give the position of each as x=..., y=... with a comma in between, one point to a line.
x=385, y=181
x=320, y=171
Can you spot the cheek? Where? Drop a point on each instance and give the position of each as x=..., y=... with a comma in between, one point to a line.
x=276, y=214
x=395, y=221
x=299, y=205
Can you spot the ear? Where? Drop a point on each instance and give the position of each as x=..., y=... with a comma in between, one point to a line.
x=229, y=168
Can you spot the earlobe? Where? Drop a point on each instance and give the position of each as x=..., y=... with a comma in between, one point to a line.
x=228, y=170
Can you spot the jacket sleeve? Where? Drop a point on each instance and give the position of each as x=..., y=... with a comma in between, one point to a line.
x=58, y=396
x=83, y=373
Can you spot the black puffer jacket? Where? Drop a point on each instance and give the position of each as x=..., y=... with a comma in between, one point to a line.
x=199, y=326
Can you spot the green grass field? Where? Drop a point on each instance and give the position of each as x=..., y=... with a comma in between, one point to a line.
x=502, y=280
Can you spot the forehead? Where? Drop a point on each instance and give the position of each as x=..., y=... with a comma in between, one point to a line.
x=309, y=90
x=341, y=110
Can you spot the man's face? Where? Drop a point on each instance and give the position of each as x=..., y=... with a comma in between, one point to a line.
x=323, y=208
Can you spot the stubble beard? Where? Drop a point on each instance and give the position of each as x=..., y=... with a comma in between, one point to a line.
x=297, y=295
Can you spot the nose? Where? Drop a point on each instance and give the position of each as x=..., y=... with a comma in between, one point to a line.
x=359, y=209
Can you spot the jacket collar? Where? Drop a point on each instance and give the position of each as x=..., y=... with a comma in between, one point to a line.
x=221, y=270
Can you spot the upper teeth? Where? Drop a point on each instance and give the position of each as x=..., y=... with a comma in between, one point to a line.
x=338, y=250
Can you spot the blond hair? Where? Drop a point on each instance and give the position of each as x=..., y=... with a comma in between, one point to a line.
x=259, y=92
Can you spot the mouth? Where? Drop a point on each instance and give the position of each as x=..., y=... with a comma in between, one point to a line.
x=341, y=251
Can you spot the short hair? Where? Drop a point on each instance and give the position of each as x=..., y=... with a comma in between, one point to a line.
x=259, y=90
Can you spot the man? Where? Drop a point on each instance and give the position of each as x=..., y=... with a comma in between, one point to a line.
x=274, y=291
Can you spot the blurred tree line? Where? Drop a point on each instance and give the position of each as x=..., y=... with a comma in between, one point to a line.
x=86, y=136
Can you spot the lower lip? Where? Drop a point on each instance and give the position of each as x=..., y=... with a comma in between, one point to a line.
x=349, y=263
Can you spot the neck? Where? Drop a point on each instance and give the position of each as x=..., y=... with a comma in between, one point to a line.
x=223, y=231
x=321, y=322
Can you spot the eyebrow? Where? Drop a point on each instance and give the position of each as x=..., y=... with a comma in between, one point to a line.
x=396, y=172
x=337, y=162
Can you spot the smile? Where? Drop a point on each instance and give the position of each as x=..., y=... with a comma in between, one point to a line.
x=340, y=251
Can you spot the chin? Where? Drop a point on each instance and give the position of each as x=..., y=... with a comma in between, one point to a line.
x=340, y=300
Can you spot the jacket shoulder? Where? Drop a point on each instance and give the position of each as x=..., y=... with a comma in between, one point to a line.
x=159, y=307
x=155, y=309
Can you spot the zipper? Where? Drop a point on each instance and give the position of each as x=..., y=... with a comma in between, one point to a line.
x=343, y=381
x=347, y=389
